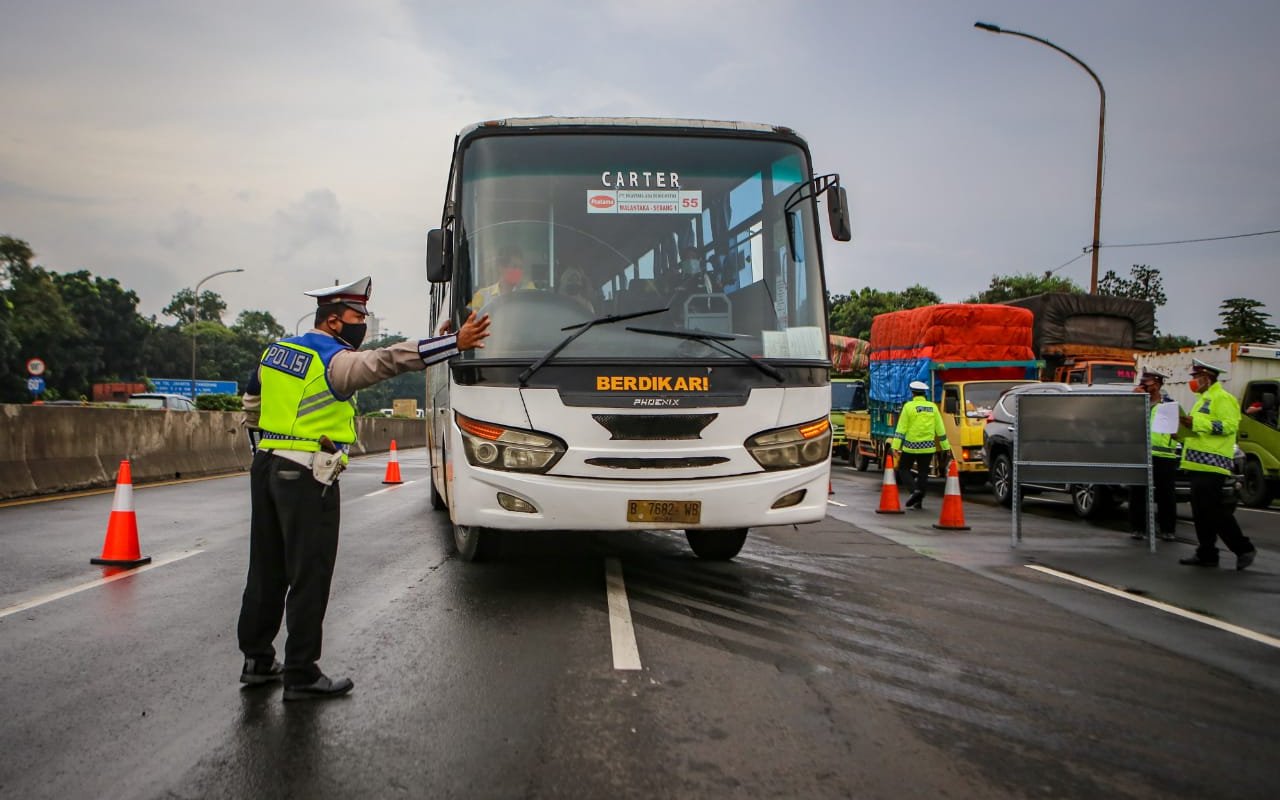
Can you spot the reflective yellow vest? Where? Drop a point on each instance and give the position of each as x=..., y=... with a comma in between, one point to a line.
x=919, y=427
x=1212, y=442
x=298, y=405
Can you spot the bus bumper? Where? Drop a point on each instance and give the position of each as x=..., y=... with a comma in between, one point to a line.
x=564, y=503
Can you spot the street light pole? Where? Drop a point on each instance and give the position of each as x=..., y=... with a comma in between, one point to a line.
x=1102, y=121
x=297, y=326
x=195, y=311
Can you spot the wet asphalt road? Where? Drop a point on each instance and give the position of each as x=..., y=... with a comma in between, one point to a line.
x=866, y=656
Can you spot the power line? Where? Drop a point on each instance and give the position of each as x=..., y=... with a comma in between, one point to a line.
x=1160, y=244
x=1049, y=272
x=1191, y=241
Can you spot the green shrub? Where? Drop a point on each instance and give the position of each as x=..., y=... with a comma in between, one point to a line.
x=218, y=402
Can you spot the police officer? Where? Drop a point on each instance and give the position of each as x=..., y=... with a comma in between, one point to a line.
x=301, y=399
x=1207, y=453
x=1165, y=453
x=918, y=436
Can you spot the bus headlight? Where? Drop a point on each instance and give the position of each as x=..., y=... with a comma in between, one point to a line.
x=792, y=447
x=498, y=447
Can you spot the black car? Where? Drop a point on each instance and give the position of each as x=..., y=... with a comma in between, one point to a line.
x=1089, y=500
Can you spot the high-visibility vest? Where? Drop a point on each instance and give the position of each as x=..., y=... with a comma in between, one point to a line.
x=1211, y=445
x=1163, y=445
x=298, y=404
x=919, y=428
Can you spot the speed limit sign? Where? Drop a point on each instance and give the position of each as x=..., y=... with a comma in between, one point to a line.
x=35, y=367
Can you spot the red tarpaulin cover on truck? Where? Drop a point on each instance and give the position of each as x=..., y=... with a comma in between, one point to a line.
x=847, y=353
x=954, y=332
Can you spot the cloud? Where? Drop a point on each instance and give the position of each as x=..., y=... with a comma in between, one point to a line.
x=311, y=228
x=180, y=231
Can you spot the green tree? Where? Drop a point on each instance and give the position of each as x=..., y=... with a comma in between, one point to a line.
x=1171, y=341
x=44, y=327
x=1004, y=288
x=11, y=384
x=851, y=315
x=259, y=325
x=209, y=309
x=111, y=348
x=166, y=352
x=1243, y=321
x=1144, y=283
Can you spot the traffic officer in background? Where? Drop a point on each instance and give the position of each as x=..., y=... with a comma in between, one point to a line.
x=301, y=400
x=1165, y=454
x=1207, y=456
x=919, y=435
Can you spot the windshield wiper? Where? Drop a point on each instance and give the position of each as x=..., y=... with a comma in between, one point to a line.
x=716, y=341
x=582, y=327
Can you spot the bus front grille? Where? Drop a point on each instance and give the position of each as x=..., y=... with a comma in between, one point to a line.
x=654, y=427
x=657, y=463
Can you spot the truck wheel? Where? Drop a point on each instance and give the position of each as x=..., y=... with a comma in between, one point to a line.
x=858, y=459
x=475, y=543
x=1090, y=501
x=1253, y=489
x=1002, y=479
x=716, y=545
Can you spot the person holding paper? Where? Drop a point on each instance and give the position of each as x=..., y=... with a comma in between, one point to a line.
x=1207, y=451
x=1166, y=451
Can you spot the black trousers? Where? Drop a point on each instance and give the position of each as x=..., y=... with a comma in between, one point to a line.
x=1163, y=473
x=1215, y=516
x=293, y=544
x=919, y=462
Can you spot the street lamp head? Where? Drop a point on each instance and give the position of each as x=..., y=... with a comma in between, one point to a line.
x=987, y=26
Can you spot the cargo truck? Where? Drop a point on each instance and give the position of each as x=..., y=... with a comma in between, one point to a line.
x=1089, y=338
x=847, y=394
x=968, y=353
x=1253, y=377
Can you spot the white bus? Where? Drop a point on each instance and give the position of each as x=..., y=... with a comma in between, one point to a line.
x=658, y=358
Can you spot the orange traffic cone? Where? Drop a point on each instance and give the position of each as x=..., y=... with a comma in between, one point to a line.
x=393, y=467
x=889, y=489
x=952, y=516
x=121, y=546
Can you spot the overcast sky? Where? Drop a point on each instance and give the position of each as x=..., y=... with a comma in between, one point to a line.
x=157, y=142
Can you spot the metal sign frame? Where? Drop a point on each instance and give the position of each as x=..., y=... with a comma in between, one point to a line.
x=1068, y=437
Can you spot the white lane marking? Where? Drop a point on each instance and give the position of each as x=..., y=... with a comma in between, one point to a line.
x=1180, y=612
x=831, y=502
x=49, y=598
x=388, y=489
x=625, y=653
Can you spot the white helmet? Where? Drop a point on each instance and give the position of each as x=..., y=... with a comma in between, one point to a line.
x=918, y=386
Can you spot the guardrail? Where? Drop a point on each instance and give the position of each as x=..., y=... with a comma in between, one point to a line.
x=47, y=449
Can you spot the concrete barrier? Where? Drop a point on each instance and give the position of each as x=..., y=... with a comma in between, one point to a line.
x=47, y=449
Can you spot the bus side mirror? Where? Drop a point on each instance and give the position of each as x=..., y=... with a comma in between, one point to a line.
x=438, y=261
x=838, y=214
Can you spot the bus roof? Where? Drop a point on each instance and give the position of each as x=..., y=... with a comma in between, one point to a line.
x=636, y=122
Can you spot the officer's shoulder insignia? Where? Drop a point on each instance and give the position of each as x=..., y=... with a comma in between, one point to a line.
x=287, y=360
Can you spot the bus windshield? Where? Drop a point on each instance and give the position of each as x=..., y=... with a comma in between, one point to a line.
x=555, y=229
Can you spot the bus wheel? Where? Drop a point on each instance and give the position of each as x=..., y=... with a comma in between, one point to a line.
x=475, y=543
x=716, y=545
x=858, y=459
